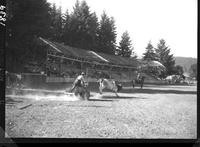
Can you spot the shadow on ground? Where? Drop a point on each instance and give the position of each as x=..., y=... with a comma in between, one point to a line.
x=156, y=91
x=121, y=97
x=104, y=100
x=96, y=106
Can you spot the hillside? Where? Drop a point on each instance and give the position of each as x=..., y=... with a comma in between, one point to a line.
x=185, y=62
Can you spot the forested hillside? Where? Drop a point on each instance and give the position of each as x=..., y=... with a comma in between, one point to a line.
x=185, y=62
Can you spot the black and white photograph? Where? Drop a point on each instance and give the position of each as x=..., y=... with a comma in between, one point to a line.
x=100, y=69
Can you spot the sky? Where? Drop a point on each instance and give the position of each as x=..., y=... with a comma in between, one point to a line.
x=175, y=21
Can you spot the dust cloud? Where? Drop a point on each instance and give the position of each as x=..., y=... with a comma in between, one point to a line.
x=43, y=95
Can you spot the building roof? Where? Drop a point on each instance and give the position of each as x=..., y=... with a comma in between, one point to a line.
x=87, y=55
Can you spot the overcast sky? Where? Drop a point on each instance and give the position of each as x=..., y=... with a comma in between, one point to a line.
x=150, y=20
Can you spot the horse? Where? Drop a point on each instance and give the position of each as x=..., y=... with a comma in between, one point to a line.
x=139, y=80
x=82, y=91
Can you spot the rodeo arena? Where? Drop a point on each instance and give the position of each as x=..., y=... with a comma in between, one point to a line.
x=78, y=93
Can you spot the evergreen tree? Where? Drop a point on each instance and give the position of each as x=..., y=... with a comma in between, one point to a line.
x=178, y=70
x=70, y=32
x=92, y=31
x=193, y=70
x=125, y=47
x=167, y=59
x=27, y=19
x=66, y=31
x=81, y=27
x=106, y=35
x=57, y=22
x=150, y=54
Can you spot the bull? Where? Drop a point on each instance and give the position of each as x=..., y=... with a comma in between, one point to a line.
x=109, y=84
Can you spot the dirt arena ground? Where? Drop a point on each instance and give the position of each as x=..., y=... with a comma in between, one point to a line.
x=156, y=111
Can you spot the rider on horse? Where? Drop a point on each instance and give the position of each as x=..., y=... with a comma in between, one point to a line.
x=79, y=82
x=80, y=86
x=138, y=77
x=139, y=80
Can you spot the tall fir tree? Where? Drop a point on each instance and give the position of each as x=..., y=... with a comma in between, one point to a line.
x=27, y=20
x=57, y=22
x=125, y=47
x=150, y=54
x=167, y=59
x=106, y=35
x=66, y=23
x=80, y=30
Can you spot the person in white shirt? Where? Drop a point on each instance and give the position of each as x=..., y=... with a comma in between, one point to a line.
x=138, y=76
x=79, y=82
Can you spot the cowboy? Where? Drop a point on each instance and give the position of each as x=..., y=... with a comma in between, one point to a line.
x=138, y=76
x=79, y=82
x=139, y=79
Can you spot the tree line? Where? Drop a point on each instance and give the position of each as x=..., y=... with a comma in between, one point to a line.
x=29, y=19
x=83, y=29
x=162, y=54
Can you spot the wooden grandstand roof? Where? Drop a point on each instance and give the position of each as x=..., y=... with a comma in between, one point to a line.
x=92, y=56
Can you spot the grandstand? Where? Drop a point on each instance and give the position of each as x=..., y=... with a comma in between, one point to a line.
x=64, y=63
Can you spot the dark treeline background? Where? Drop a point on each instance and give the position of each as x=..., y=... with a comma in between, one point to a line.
x=29, y=19
x=81, y=28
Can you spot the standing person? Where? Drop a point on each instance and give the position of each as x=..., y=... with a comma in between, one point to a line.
x=79, y=82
